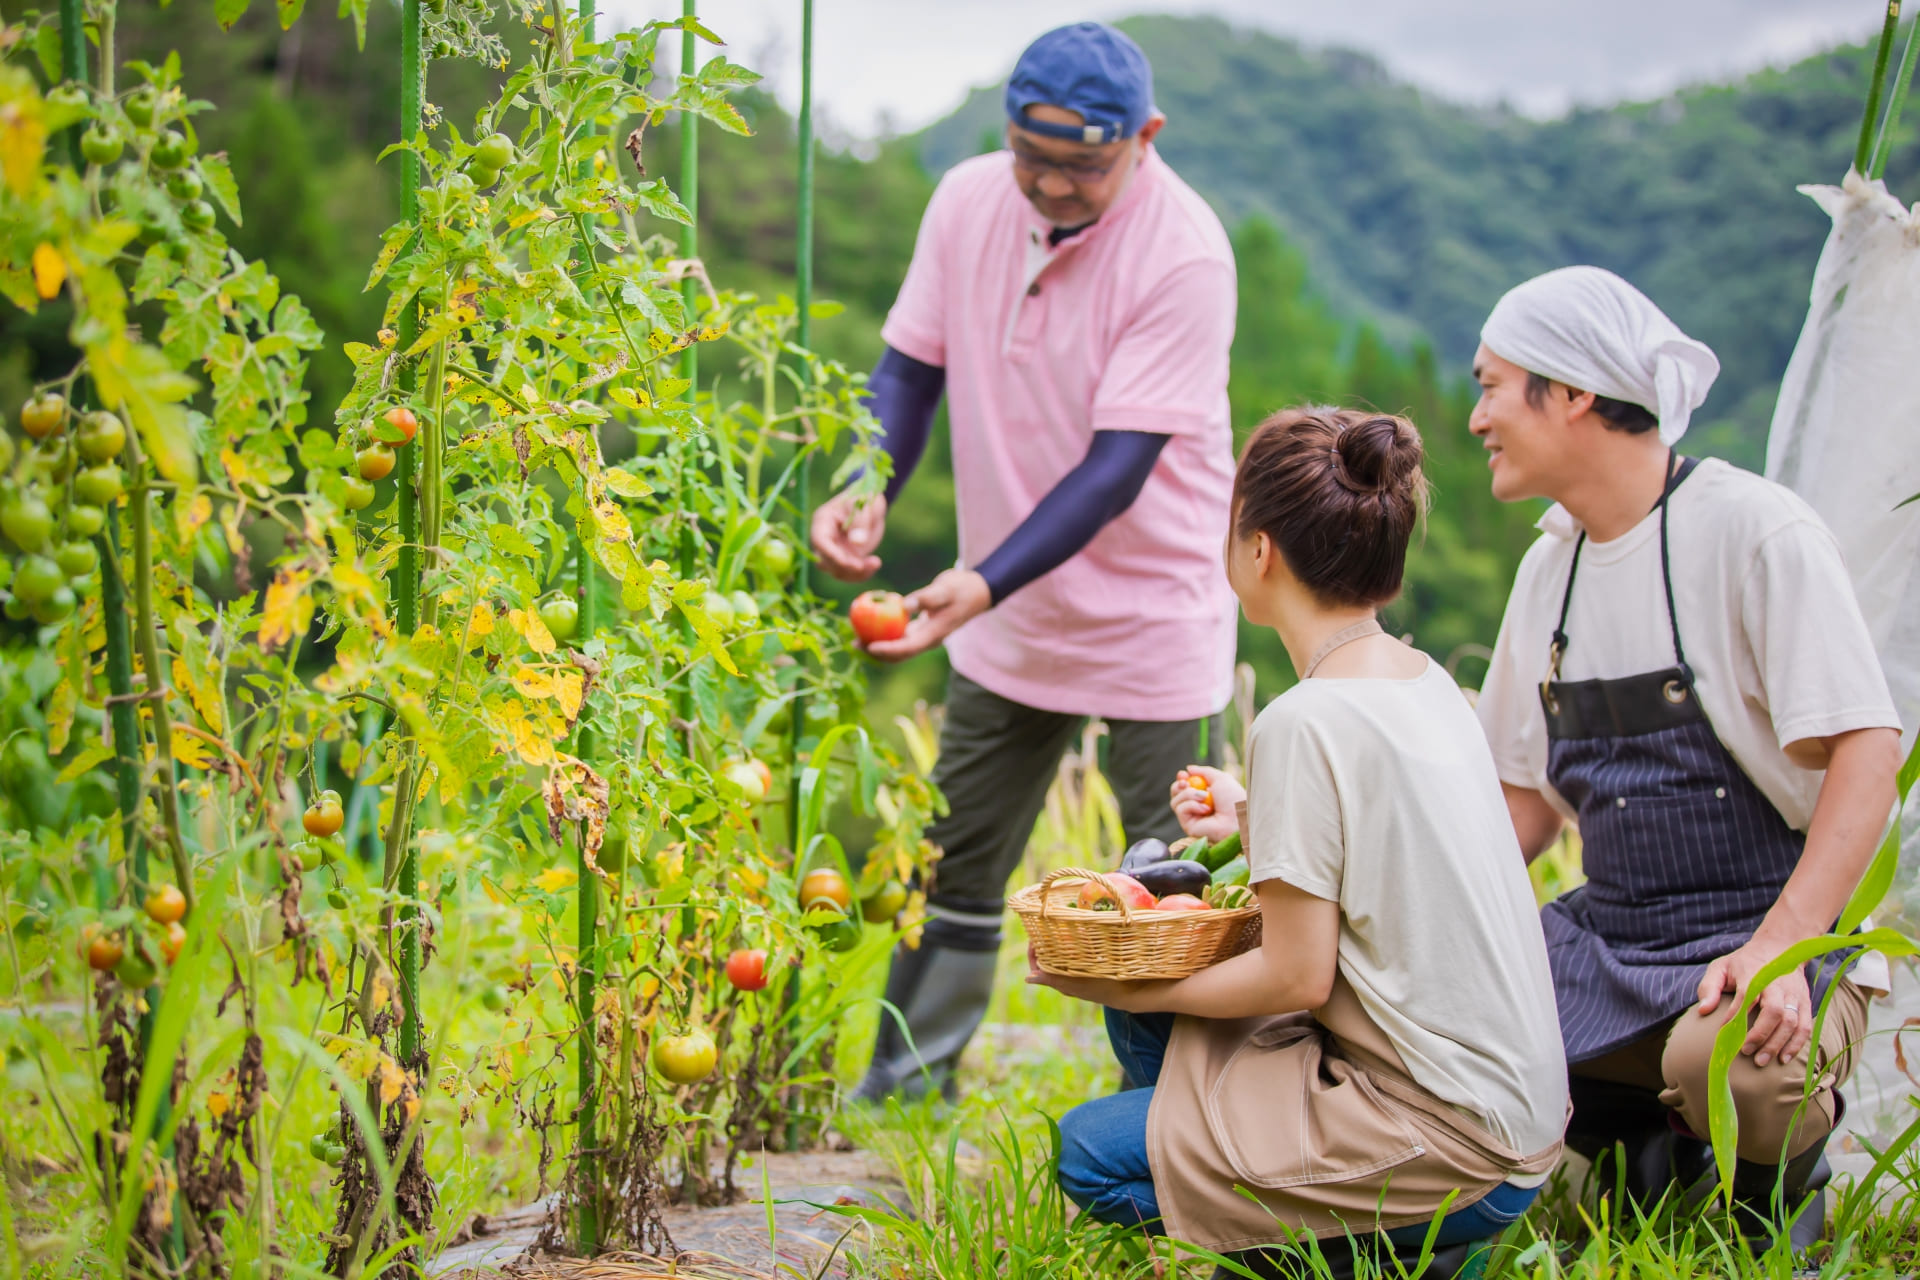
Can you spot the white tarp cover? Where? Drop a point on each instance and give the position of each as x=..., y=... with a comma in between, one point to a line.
x=1846, y=429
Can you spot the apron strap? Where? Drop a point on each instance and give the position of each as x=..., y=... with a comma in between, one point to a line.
x=1675, y=474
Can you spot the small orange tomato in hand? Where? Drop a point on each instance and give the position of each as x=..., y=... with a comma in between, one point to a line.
x=747, y=970
x=1197, y=783
x=401, y=419
x=878, y=616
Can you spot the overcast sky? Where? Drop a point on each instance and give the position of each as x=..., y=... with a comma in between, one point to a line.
x=904, y=63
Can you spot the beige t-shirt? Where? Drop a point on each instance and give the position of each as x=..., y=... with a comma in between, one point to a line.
x=1380, y=795
x=1768, y=620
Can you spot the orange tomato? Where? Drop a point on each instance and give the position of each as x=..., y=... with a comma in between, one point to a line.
x=825, y=887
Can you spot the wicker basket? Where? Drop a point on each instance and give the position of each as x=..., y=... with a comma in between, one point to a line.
x=1077, y=943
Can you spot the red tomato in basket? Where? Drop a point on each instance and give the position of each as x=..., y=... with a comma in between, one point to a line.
x=1095, y=896
x=1181, y=902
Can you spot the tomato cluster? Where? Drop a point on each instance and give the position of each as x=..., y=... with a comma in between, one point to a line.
x=54, y=497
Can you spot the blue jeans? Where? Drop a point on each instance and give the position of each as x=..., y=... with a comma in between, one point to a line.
x=1103, y=1149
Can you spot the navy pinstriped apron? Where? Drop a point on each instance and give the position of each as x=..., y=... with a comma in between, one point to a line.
x=1683, y=854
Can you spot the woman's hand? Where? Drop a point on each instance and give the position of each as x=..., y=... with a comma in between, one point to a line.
x=1111, y=992
x=1207, y=811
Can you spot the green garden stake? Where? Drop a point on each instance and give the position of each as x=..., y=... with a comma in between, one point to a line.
x=803, y=291
x=587, y=1165
x=690, y=197
x=73, y=65
x=413, y=74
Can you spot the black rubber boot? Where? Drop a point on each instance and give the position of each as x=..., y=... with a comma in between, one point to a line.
x=941, y=990
x=1801, y=1202
x=1628, y=1134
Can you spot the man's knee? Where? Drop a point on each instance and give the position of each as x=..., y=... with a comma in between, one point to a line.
x=1779, y=1114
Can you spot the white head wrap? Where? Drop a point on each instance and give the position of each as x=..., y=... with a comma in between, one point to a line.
x=1593, y=331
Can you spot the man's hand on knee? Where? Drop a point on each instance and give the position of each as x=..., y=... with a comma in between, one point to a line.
x=1783, y=1016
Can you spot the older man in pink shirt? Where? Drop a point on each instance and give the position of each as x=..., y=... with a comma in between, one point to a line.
x=1074, y=299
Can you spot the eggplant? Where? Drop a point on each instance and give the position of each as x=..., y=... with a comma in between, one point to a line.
x=1175, y=875
x=1143, y=853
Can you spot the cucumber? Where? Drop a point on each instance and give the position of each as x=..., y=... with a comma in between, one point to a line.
x=1215, y=856
x=1231, y=872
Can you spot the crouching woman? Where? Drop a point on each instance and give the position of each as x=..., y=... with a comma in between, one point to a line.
x=1393, y=1040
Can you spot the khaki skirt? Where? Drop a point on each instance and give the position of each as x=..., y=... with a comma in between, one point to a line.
x=1325, y=1128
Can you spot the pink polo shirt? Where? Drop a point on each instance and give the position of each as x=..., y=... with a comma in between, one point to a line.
x=1124, y=327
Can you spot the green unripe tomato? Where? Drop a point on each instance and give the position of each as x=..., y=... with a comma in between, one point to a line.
x=15, y=609
x=561, y=615
x=719, y=608
x=101, y=144
x=68, y=95
x=54, y=459
x=842, y=934
x=355, y=494
x=140, y=107
x=494, y=999
x=746, y=610
x=483, y=177
x=57, y=607
x=185, y=185
x=43, y=415
x=37, y=579
x=495, y=151
x=135, y=971
x=6, y=451
x=460, y=188
x=196, y=215
x=77, y=559
x=774, y=558
x=172, y=149
x=26, y=521
x=101, y=436
x=100, y=486
x=336, y=899
x=85, y=520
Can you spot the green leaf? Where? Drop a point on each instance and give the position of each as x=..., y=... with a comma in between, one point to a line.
x=94, y=755
x=46, y=46
x=392, y=243
x=220, y=184
x=718, y=73
x=625, y=483
x=508, y=539
x=290, y=12
x=228, y=12
x=658, y=199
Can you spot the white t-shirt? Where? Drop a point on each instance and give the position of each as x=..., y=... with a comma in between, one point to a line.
x=1768, y=620
x=1380, y=795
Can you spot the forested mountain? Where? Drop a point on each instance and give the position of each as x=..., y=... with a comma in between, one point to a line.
x=1418, y=213
x=1374, y=226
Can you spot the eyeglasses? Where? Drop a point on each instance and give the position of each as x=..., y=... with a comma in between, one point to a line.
x=1078, y=174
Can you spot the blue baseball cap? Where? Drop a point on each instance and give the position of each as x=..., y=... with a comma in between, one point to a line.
x=1090, y=68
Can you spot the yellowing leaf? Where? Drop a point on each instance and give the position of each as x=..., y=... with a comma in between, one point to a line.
x=23, y=141
x=49, y=270
x=288, y=608
x=554, y=879
x=98, y=753
x=569, y=688
x=527, y=622
x=631, y=397
x=60, y=710
x=480, y=622
x=217, y=1104
x=533, y=683
x=190, y=751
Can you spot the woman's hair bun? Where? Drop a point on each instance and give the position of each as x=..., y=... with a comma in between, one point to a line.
x=1375, y=454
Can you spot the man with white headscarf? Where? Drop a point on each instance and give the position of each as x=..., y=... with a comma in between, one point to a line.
x=1682, y=671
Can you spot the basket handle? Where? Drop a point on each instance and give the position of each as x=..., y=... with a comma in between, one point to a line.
x=1077, y=873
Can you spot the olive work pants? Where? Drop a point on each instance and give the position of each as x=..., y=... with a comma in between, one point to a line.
x=997, y=759
x=1767, y=1100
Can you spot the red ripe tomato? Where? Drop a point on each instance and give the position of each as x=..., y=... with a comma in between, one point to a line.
x=401, y=419
x=1181, y=902
x=1096, y=896
x=878, y=615
x=747, y=970
x=171, y=942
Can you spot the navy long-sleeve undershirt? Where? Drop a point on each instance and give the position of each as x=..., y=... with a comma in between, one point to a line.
x=905, y=394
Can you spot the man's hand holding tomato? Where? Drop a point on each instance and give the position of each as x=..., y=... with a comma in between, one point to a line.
x=936, y=611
